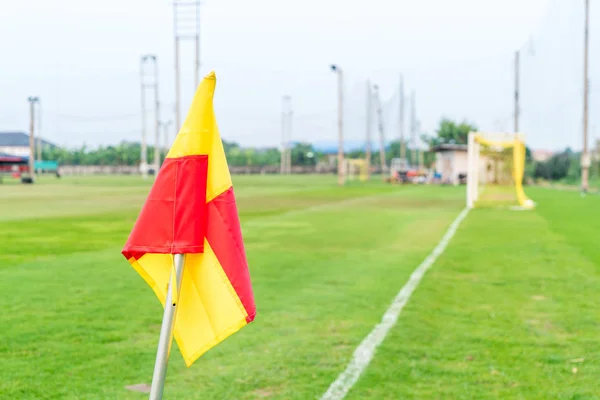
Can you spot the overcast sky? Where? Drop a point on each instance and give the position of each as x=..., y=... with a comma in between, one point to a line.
x=82, y=59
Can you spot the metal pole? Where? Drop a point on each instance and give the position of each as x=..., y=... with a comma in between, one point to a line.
x=413, y=129
x=585, y=159
x=289, y=140
x=369, y=123
x=144, y=152
x=157, y=119
x=517, y=67
x=282, y=168
x=402, y=143
x=39, y=135
x=341, y=169
x=286, y=133
x=166, y=332
x=32, y=101
x=380, y=125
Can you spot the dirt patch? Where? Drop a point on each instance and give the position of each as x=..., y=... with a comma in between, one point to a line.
x=139, y=387
x=263, y=393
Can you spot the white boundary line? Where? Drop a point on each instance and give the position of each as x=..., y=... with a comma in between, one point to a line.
x=364, y=352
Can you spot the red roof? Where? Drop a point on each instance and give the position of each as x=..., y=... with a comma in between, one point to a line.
x=12, y=159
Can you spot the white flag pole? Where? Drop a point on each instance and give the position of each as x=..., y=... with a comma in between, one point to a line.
x=166, y=332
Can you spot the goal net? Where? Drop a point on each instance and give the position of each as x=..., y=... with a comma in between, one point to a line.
x=496, y=165
x=356, y=168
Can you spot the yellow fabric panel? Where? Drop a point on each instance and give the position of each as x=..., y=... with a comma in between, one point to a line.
x=209, y=310
x=519, y=172
x=493, y=143
x=200, y=135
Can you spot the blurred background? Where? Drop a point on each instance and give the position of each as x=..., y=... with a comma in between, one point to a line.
x=456, y=61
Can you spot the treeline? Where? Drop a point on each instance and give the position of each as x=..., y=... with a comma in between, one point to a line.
x=563, y=166
x=129, y=153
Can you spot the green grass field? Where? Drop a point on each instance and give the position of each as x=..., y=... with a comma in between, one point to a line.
x=508, y=311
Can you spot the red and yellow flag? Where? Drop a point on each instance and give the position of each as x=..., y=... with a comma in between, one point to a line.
x=191, y=210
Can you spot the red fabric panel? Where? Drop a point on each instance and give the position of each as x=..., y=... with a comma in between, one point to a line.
x=225, y=238
x=173, y=219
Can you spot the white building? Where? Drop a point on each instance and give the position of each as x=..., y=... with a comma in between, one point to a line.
x=17, y=143
x=451, y=162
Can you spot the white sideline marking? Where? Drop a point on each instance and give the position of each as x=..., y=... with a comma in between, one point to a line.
x=364, y=352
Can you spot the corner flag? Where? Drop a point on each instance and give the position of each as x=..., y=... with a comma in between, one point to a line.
x=191, y=210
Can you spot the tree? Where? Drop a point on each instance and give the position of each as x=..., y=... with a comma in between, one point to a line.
x=303, y=154
x=450, y=132
x=564, y=165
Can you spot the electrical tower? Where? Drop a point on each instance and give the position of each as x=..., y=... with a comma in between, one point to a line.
x=149, y=80
x=33, y=100
x=401, y=119
x=382, y=161
x=341, y=170
x=186, y=26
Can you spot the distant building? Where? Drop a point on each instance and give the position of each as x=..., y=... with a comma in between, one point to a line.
x=451, y=162
x=17, y=143
x=541, y=155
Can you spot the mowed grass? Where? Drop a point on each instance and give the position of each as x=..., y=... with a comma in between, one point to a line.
x=511, y=310
x=77, y=322
x=496, y=196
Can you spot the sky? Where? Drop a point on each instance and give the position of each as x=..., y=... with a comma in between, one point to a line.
x=83, y=60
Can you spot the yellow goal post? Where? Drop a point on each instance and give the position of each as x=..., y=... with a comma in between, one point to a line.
x=357, y=167
x=498, y=143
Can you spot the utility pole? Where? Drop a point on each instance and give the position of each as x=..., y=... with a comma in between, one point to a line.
x=39, y=134
x=517, y=68
x=595, y=153
x=341, y=170
x=149, y=81
x=32, y=100
x=186, y=26
x=369, y=123
x=156, y=120
x=413, y=129
x=382, y=162
x=597, y=158
x=401, y=122
x=286, y=116
x=144, y=151
x=283, y=161
x=585, y=156
x=289, y=140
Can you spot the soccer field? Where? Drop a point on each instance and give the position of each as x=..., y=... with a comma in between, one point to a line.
x=509, y=310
